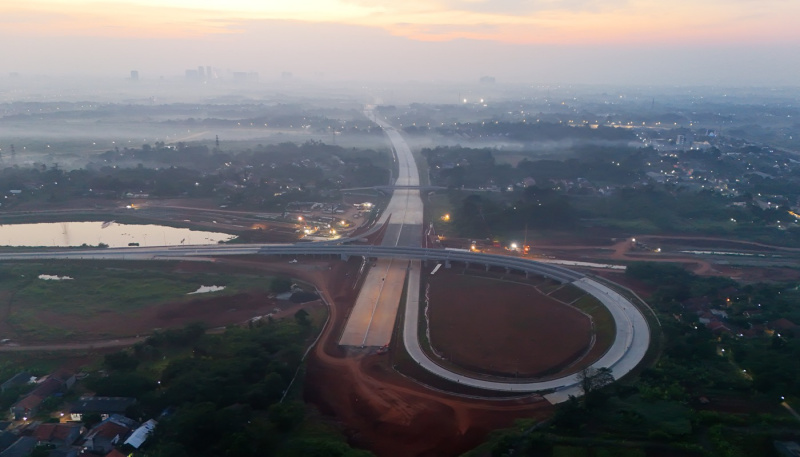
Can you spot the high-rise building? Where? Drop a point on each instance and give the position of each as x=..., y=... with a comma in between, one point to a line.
x=134, y=75
x=245, y=76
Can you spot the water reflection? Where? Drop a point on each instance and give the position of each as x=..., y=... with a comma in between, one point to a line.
x=113, y=234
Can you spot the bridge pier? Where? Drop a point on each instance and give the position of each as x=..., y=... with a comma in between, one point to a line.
x=508, y=270
x=344, y=257
x=487, y=267
x=447, y=264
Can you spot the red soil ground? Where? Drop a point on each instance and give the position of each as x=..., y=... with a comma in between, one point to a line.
x=503, y=328
x=377, y=408
x=623, y=249
x=385, y=412
x=213, y=311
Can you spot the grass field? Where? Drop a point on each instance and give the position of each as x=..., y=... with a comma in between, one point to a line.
x=437, y=205
x=656, y=336
x=36, y=308
x=97, y=288
x=567, y=294
x=604, y=328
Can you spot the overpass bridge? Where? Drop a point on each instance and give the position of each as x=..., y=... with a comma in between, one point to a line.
x=528, y=266
x=391, y=188
x=628, y=349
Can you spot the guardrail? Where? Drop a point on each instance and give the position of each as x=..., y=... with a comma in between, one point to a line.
x=555, y=272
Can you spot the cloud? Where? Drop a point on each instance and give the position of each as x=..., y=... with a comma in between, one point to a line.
x=514, y=7
x=611, y=22
x=491, y=7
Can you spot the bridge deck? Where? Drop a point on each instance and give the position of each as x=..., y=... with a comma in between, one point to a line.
x=372, y=320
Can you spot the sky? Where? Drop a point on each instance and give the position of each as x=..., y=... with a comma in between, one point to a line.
x=680, y=42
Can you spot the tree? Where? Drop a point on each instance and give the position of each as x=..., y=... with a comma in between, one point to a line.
x=121, y=361
x=302, y=317
x=280, y=285
x=592, y=379
x=287, y=415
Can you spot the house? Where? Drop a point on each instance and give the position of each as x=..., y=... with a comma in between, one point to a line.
x=787, y=448
x=63, y=452
x=7, y=439
x=104, y=436
x=58, y=434
x=718, y=327
x=705, y=318
x=26, y=407
x=68, y=378
x=782, y=324
x=29, y=405
x=104, y=406
x=17, y=380
x=21, y=447
x=719, y=313
x=140, y=435
x=753, y=313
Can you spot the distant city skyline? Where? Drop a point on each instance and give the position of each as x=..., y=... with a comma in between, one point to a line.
x=573, y=41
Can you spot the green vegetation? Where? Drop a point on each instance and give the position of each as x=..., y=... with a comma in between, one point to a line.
x=266, y=177
x=709, y=394
x=620, y=188
x=604, y=327
x=96, y=288
x=100, y=287
x=221, y=394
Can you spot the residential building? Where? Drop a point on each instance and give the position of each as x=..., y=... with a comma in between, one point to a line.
x=104, y=406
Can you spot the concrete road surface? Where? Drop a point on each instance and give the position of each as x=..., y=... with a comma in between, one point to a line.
x=372, y=320
x=628, y=349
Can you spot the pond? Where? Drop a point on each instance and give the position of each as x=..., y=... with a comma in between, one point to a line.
x=63, y=234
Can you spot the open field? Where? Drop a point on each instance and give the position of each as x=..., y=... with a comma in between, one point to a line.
x=503, y=328
x=567, y=294
x=108, y=299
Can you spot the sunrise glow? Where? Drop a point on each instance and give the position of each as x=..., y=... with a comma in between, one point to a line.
x=545, y=21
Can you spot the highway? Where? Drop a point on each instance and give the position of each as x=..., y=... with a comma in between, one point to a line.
x=371, y=322
x=628, y=349
x=555, y=272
